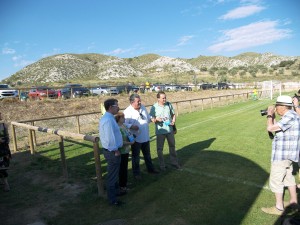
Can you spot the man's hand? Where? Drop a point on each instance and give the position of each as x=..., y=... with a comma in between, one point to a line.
x=134, y=127
x=271, y=110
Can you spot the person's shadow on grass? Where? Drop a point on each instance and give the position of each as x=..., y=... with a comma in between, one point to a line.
x=218, y=187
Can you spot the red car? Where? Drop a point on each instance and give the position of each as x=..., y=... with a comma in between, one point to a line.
x=41, y=92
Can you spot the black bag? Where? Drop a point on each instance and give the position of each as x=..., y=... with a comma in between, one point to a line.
x=174, y=129
x=174, y=126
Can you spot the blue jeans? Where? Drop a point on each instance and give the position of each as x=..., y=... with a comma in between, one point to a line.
x=135, y=149
x=113, y=167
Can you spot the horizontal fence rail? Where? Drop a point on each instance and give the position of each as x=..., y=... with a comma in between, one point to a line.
x=62, y=134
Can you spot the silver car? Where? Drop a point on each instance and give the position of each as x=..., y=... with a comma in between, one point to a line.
x=104, y=90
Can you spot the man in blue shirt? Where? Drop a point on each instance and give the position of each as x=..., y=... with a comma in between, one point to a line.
x=111, y=140
x=285, y=151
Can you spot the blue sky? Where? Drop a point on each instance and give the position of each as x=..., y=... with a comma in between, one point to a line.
x=33, y=29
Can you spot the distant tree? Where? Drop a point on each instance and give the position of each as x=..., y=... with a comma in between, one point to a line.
x=203, y=69
x=222, y=72
x=233, y=71
x=281, y=71
x=274, y=67
x=223, y=68
x=242, y=73
x=287, y=63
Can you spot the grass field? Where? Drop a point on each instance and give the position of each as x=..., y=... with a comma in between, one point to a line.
x=225, y=154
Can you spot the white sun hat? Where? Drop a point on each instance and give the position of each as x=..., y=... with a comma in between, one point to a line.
x=284, y=100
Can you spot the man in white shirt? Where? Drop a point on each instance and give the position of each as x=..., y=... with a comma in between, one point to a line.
x=111, y=140
x=137, y=120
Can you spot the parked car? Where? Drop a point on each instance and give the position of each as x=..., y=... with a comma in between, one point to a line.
x=185, y=88
x=128, y=89
x=158, y=87
x=223, y=85
x=172, y=87
x=74, y=91
x=41, y=92
x=104, y=90
x=232, y=86
x=206, y=86
x=7, y=92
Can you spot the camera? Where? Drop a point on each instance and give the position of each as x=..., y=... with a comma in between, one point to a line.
x=297, y=96
x=264, y=112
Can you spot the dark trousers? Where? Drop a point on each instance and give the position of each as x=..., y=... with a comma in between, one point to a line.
x=113, y=167
x=136, y=148
x=123, y=170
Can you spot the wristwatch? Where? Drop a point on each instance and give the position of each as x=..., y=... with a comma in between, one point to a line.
x=269, y=116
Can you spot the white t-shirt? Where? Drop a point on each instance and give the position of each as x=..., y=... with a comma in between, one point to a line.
x=138, y=118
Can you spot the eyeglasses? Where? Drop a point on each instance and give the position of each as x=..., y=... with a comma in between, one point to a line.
x=114, y=106
x=142, y=116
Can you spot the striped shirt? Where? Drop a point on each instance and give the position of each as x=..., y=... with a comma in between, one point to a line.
x=286, y=142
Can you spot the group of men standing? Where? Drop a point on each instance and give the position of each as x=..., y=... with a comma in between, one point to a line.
x=137, y=120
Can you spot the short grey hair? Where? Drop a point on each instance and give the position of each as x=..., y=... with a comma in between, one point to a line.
x=133, y=97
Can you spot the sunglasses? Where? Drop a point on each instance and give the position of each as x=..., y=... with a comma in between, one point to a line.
x=142, y=116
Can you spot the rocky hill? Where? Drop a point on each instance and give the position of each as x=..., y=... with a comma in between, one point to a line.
x=68, y=67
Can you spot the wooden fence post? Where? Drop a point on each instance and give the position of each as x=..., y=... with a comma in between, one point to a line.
x=31, y=145
x=63, y=157
x=177, y=109
x=14, y=138
x=202, y=104
x=78, y=124
x=190, y=106
x=34, y=135
x=211, y=102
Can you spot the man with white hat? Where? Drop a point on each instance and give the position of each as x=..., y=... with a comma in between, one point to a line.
x=285, y=151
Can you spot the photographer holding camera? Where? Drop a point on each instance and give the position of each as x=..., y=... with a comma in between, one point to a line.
x=285, y=151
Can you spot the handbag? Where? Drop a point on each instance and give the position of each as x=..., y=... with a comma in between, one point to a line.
x=174, y=126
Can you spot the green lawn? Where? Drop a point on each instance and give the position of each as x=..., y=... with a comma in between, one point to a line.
x=225, y=154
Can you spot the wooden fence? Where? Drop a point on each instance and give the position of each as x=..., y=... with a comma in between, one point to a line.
x=62, y=134
x=180, y=107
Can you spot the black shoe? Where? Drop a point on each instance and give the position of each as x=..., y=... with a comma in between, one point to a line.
x=153, y=172
x=117, y=203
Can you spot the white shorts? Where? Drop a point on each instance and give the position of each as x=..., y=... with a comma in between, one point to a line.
x=281, y=175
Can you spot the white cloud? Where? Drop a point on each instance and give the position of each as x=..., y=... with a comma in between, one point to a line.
x=119, y=51
x=254, y=34
x=16, y=58
x=242, y=12
x=167, y=50
x=7, y=51
x=183, y=40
